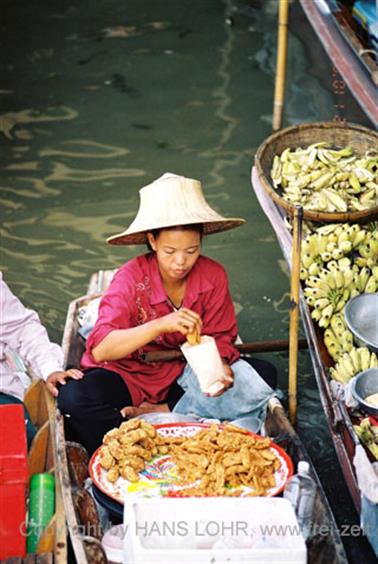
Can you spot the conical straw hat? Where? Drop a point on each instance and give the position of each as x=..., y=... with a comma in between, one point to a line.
x=170, y=201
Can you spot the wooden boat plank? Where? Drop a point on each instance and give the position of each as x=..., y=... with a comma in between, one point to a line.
x=36, y=404
x=37, y=456
x=343, y=57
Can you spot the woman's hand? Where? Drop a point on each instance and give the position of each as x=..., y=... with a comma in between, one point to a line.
x=60, y=378
x=227, y=380
x=185, y=321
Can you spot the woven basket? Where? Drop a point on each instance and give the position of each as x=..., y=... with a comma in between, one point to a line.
x=359, y=138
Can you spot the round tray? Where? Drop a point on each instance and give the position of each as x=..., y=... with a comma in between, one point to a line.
x=159, y=477
x=359, y=138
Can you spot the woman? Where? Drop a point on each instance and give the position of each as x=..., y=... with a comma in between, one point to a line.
x=152, y=303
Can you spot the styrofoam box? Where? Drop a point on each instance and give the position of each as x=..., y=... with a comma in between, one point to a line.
x=211, y=530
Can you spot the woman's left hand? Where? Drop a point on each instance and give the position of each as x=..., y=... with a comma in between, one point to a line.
x=59, y=377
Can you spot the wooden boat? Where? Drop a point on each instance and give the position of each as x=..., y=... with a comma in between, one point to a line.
x=357, y=64
x=42, y=457
x=82, y=518
x=339, y=422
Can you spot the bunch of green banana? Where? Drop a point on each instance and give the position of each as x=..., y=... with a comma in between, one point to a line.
x=351, y=363
x=368, y=435
x=337, y=337
x=327, y=243
x=328, y=292
x=324, y=179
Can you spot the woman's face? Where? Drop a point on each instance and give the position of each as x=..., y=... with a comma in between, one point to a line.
x=176, y=251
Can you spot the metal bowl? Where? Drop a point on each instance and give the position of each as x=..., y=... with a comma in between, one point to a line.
x=364, y=385
x=361, y=317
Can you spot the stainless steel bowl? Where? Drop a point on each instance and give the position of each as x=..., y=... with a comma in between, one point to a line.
x=361, y=317
x=364, y=385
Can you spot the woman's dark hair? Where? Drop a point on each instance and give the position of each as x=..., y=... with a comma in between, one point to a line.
x=191, y=227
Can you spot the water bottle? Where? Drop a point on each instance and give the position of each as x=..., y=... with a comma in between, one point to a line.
x=41, y=507
x=300, y=490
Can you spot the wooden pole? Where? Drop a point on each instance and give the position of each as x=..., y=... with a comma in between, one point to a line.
x=294, y=312
x=279, y=89
x=246, y=348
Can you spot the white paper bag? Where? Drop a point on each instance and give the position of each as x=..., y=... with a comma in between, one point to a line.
x=206, y=363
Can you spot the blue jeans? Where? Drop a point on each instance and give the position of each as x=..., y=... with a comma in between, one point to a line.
x=248, y=396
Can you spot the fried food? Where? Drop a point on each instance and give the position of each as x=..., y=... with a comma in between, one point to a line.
x=127, y=448
x=193, y=338
x=219, y=460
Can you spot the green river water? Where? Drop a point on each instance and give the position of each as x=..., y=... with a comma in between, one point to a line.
x=100, y=98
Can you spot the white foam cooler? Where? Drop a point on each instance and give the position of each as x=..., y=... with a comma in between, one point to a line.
x=211, y=530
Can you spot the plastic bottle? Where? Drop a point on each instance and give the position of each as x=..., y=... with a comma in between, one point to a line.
x=300, y=490
x=41, y=507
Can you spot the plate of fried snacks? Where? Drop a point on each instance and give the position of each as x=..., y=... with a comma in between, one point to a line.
x=188, y=459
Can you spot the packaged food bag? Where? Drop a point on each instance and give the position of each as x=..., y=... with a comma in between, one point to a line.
x=206, y=363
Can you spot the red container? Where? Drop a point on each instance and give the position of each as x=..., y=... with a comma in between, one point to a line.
x=13, y=481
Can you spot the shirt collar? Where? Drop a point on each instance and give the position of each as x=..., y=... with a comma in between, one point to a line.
x=197, y=283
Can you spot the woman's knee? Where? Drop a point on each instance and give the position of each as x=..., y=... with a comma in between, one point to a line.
x=70, y=397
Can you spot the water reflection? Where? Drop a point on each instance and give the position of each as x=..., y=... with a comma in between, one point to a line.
x=84, y=148
x=10, y=120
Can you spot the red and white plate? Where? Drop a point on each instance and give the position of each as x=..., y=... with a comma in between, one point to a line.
x=160, y=475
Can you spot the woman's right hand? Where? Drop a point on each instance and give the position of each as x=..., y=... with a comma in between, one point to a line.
x=185, y=321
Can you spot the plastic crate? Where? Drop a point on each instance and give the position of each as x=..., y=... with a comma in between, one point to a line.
x=13, y=480
x=211, y=530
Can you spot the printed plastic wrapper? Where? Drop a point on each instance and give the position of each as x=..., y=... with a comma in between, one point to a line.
x=206, y=363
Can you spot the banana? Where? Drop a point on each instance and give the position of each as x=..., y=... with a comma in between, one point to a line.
x=321, y=303
x=333, y=264
x=355, y=358
x=326, y=256
x=339, y=278
x=338, y=376
x=371, y=285
x=316, y=314
x=326, y=316
x=303, y=273
x=344, y=236
x=307, y=260
x=337, y=254
x=313, y=269
x=362, y=278
x=327, y=229
x=373, y=360
x=364, y=358
x=359, y=238
x=337, y=201
x=321, y=243
x=345, y=365
x=310, y=300
x=346, y=247
x=344, y=263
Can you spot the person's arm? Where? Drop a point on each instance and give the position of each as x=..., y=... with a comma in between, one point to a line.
x=118, y=331
x=119, y=343
x=23, y=332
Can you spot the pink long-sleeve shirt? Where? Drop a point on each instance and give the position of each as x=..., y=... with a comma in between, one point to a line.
x=137, y=295
x=22, y=332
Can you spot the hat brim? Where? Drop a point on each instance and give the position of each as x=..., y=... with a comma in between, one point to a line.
x=140, y=237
